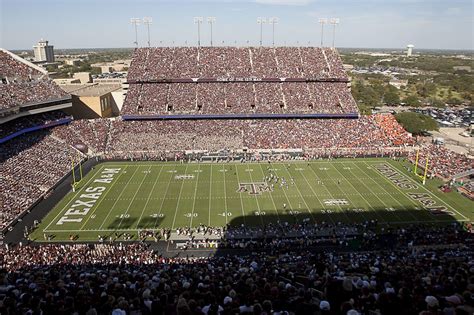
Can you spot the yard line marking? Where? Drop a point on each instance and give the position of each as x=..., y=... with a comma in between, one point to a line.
x=225, y=193
x=113, y=205
x=149, y=195
x=163, y=199
x=240, y=195
x=314, y=194
x=282, y=188
x=429, y=192
x=301, y=195
x=363, y=171
x=258, y=204
x=330, y=194
x=271, y=195
x=103, y=198
x=366, y=201
x=179, y=198
x=73, y=198
x=195, y=191
x=135, y=195
x=210, y=200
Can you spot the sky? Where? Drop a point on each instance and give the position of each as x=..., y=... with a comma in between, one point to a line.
x=428, y=24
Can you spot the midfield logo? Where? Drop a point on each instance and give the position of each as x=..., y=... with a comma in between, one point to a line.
x=253, y=188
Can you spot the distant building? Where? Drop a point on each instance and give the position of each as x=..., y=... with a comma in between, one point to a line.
x=410, y=50
x=348, y=67
x=116, y=66
x=462, y=68
x=398, y=83
x=62, y=81
x=84, y=77
x=109, y=80
x=94, y=100
x=43, y=51
x=72, y=62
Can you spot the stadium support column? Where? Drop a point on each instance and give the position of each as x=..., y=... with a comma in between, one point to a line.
x=198, y=20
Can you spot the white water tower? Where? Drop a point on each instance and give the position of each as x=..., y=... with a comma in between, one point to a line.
x=409, y=50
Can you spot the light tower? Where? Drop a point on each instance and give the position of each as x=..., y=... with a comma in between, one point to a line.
x=261, y=21
x=211, y=20
x=410, y=50
x=334, y=22
x=135, y=22
x=322, y=21
x=198, y=20
x=147, y=21
x=273, y=21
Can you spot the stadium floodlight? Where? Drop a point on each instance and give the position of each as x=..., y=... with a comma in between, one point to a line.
x=322, y=21
x=148, y=21
x=334, y=22
x=198, y=20
x=135, y=22
x=261, y=21
x=273, y=21
x=211, y=20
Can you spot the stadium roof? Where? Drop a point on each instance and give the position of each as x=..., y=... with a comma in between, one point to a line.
x=90, y=90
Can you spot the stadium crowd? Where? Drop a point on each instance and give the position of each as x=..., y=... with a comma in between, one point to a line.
x=168, y=140
x=239, y=98
x=164, y=140
x=402, y=274
x=18, y=124
x=290, y=278
x=12, y=69
x=30, y=165
x=21, y=84
x=93, y=133
x=235, y=62
x=17, y=93
x=442, y=161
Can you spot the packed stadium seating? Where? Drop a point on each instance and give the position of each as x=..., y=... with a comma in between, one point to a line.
x=442, y=161
x=30, y=166
x=239, y=98
x=19, y=124
x=247, y=89
x=13, y=69
x=123, y=139
x=20, y=84
x=287, y=278
x=222, y=62
x=360, y=268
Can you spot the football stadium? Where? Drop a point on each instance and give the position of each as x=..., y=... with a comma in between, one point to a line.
x=235, y=180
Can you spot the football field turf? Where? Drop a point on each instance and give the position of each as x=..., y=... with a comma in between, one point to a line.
x=131, y=196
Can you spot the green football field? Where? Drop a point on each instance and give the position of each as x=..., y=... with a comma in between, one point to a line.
x=127, y=197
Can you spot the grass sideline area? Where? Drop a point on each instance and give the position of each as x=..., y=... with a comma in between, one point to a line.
x=127, y=197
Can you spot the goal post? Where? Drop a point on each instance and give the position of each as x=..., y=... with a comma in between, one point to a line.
x=425, y=171
x=73, y=172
